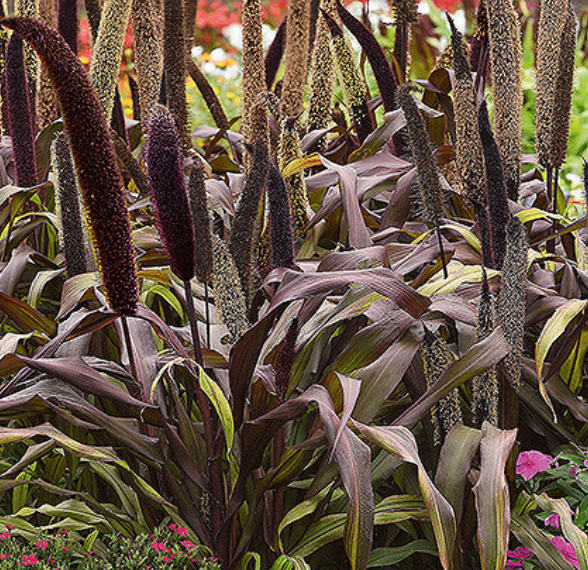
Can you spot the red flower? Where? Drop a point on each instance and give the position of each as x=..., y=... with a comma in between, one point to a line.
x=42, y=544
x=29, y=560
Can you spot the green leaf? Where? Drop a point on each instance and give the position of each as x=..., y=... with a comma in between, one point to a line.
x=554, y=328
x=222, y=407
x=385, y=557
x=492, y=497
x=400, y=442
x=25, y=317
x=454, y=465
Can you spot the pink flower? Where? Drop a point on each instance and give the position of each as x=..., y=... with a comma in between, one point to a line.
x=29, y=560
x=187, y=544
x=566, y=549
x=42, y=544
x=529, y=463
x=5, y=535
x=516, y=557
x=181, y=530
x=158, y=546
x=553, y=520
x=3, y=556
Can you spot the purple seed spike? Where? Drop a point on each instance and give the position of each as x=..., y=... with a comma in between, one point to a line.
x=168, y=191
x=19, y=114
x=274, y=54
x=67, y=22
x=94, y=159
x=281, y=235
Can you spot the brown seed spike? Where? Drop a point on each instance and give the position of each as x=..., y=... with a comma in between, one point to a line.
x=72, y=235
x=174, y=64
x=468, y=147
x=322, y=79
x=563, y=91
x=148, y=53
x=296, y=57
x=485, y=386
x=253, y=82
x=281, y=238
x=19, y=112
x=512, y=296
x=94, y=159
x=200, y=223
x=552, y=17
x=505, y=61
x=446, y=413
x=242, y=237
x=497, y=201
x=228, y=293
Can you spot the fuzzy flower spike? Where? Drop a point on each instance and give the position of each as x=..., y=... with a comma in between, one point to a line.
x=168, y=191
x=94, y=159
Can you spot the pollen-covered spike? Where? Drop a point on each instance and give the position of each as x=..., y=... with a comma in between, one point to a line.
x=352, y=83
x=130, y=163
x=552, y=17
x=563, y=91
x=289, y=149
x=200, y=223
x=4, y=36
x=174, y=64
x=322, y=79
x=422, y=152
x=107, y=51
x=285, y=361
x=446, y=413
x=30, y=9
x=46, y=102
x=168, y=191
x=242, y=236
x=483, y=220
x=190, y=7
x=296, y=57
x=227, y=291
x=497, y=200
x=94, y=159
x=485, y=391
x=468, y=148
x=481, y=35
x=210, y=97
x=505, y=61
x=94, y=13
x=405, y=14
x=72, y=236
x=281, y=238
x=67, y=22
x=253, y=82
x=148, y=53
x=512, y=297
x=19, y=112
x=383, y=72
x=274, y=54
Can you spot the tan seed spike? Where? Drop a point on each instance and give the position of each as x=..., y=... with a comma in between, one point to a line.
x=552, y=17
x=174, y=64
x=322, y=79
x=512, y=297
x=505, y=61
x=253, y=124
x=30, y=9
x=228, y=293
x=46, y=101
x=108, y=50
x=289, y=149
x=468, y=147
x=296, y=56
x=563, y=91
x=437, y=356
x=148, y=35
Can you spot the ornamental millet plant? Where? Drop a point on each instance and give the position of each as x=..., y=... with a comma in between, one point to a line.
x=95, y=161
